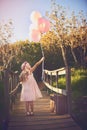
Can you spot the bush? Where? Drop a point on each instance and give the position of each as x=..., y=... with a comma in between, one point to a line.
x=78, y=83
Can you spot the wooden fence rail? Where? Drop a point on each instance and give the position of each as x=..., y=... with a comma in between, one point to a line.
x=10, y=82
x=53, y=76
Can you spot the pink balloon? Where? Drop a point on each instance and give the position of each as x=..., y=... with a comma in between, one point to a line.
x=34, y=35
x=43, y=25
x=35, y=15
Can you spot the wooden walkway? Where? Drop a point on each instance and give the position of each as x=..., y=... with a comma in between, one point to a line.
x=43, y=119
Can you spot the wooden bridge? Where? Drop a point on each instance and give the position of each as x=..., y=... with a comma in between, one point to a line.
x=43, y=119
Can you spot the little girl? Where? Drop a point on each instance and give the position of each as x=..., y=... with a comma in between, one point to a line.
x=30, y=90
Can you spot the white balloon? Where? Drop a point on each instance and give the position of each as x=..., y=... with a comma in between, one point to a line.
x=32, y=27
x=35, y=15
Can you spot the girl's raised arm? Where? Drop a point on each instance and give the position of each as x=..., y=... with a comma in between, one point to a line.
x=37, y=64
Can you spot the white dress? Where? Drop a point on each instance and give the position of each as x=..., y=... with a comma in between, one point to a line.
x=30, y=90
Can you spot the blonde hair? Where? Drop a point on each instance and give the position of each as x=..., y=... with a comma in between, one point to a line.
x=23, y=76
x=24, y=65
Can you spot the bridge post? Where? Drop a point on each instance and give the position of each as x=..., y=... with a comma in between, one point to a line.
x=57, y=79
x=68, y=89
x=51, y=78
x=6, y=97
x=51, y=83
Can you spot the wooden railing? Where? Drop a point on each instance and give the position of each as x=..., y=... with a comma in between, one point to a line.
x=48, y=79
x=10, y=84
x=53, y=76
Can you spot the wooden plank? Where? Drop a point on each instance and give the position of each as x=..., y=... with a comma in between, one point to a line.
x=30, y=122
x=43, y=118
x=44, y=128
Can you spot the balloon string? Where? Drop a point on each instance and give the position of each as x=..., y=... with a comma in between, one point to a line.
x=42, y=62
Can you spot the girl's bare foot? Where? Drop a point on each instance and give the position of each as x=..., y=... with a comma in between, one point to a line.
x=31, y=113
x=28, y=114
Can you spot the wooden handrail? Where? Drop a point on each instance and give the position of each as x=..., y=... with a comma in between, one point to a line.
x=15, y=89
x=57, y=90
x=56, y=73
x=10, y=89
x=60, y=71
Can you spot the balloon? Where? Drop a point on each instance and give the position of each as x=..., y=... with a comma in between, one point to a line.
x=43, y=25
x=34, y=35
x=39, y=25
x=33, y=27
x=35, y=15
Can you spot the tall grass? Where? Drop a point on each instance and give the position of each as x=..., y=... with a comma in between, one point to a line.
x=78, y=86
x=78, y=83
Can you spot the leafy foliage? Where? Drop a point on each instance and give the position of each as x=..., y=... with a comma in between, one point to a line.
x=70, y=30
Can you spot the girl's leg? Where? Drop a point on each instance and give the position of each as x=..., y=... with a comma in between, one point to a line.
x=32, y=107
x=27, y=104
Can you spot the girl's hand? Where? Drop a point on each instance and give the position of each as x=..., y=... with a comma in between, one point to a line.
x=42, y=59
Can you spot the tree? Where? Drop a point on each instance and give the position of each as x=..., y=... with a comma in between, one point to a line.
x=67, y=29
x=6, y=33
x=51, y=50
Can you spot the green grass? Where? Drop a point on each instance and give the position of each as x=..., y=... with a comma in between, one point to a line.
x=61, y=83
x=78, y=83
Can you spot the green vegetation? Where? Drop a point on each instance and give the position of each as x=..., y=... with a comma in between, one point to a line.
x=78, y=83
x=78, y=87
